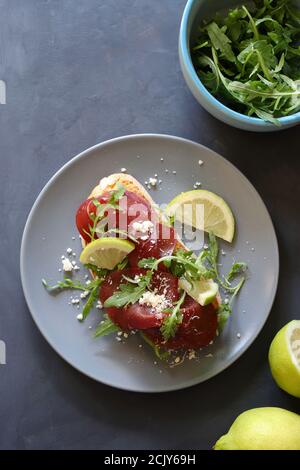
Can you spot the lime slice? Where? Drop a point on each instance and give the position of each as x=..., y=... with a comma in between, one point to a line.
x=284, y=358
x=106, y=253
x=203, y=291
x=217, y=217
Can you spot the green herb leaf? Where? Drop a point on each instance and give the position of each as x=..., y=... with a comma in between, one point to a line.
x=122, y=265
x=92, y=299
x=67, y=283
x=117, y=194
x=210, y=257
x=129, y=292
x=106, y=327
x=224, y=313
x=236, y=269
x=147, y=263
x=211, y=78
x=173, y=320
x=93, y=289
x=101, y=273
x=225, y=308
x=161, y=354
x=98, y=221
x=183, y=262
x=220, y=41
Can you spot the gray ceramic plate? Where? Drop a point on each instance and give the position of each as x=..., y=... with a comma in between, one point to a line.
x=50, y=228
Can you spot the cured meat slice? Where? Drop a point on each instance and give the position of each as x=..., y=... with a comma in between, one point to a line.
x=137, y=316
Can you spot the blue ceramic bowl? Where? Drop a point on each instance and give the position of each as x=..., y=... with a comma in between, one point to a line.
x=196, y=11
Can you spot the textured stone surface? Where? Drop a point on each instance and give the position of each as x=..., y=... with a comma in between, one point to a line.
x=78, y=73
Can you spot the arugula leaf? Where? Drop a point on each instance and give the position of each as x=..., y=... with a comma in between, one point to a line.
x=93, y=289
x=236, y=269
x=92, y=299
x=225, y=308
x=294, y=14
x=235, y=23
x=117, y=194
x=68, y=283
x=259, y=53
x=266, y=116
x=122, y=265
x=158, y=351
x=251, y=23
x=106, y=327
x=98, y=219
x=211, y=78
x=130, y=292
x=210, y=256
x=100, y=272
x=173, y=320
x=224, y=313
x=147, y=263
x=183, y=262
x=220, y=41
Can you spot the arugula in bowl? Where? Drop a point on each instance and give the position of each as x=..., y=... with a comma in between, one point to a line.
x=250, y=58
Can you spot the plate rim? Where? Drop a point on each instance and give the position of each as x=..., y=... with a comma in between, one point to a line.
x=71, y=162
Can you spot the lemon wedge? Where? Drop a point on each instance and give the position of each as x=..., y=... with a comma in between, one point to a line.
x=106, y=253
x=217, y=218
x=284, y=358
x=203, y=291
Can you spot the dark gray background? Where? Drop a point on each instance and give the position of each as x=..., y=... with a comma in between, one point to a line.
x=77, y=73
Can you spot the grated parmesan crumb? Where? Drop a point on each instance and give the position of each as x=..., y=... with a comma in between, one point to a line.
x=143, y=227
x=67, y=265
x=153, y=182
x=84, y=294
x=153, y=300
x=192, y=354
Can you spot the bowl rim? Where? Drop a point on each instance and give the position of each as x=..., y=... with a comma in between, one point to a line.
x=214, y=102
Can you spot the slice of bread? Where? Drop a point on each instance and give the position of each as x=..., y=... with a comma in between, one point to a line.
x=109, y=183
